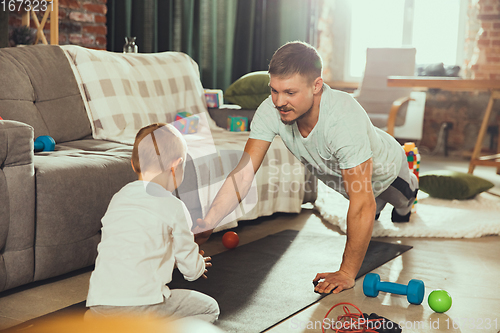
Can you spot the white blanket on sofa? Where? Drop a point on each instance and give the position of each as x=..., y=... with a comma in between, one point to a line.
x=124, y=92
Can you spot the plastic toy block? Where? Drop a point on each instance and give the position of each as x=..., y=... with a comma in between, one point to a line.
x=413, y=158
x=213, y=98
x=409, y=146
x=186, y=123
x=237, y=124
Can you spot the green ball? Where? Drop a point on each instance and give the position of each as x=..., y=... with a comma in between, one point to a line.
x=439, y=301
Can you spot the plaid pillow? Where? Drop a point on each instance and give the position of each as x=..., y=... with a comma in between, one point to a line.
x=125, y=92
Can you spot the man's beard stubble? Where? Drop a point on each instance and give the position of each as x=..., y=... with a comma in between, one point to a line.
x=291, y=122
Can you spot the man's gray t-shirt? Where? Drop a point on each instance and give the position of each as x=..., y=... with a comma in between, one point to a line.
x=343, y=138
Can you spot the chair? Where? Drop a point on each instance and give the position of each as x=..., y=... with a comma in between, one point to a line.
x=52, y=12
x=399, y=111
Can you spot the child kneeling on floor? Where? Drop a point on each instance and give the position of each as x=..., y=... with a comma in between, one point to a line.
x=146, y=231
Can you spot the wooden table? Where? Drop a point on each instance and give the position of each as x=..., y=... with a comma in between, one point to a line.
x=447, y=83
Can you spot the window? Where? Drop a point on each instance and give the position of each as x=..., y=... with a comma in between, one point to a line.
x=435, y=28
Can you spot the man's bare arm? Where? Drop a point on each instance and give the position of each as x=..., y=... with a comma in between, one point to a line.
x=360, y=217
x=235, y=187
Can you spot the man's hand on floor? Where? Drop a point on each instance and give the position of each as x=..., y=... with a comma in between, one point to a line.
x=201, y=234
x=333, y=282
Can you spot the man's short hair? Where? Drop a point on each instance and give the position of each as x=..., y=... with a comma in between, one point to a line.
x=156, y=147
x=296, y=58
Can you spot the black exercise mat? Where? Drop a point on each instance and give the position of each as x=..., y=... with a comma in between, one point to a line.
x=260, y=284
x=264, y=282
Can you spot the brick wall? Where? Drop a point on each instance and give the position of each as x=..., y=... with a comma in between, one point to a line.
x=81, y=22
x=464, y=110
x=485, y=63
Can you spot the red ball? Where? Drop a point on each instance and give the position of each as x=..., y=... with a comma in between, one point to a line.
x=230, y=239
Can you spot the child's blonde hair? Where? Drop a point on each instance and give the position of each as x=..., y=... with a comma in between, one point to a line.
x=156, y=147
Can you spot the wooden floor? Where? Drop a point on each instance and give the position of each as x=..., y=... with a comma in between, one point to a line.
x=469, y=269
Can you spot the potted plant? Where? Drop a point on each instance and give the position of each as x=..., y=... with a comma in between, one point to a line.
x=22, y=35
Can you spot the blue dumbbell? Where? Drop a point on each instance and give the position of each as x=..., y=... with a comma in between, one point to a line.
x=44, y=143
x=414, y=291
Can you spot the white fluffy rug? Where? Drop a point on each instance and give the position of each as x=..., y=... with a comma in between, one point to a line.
x=433, y=218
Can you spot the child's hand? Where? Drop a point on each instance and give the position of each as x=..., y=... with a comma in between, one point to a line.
x=207, y=263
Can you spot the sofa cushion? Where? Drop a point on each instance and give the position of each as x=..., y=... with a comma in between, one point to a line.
x=446, y=184
x=74, y=188
x=91, y=145
x=69, y=217
x=125, y=92
x=249, y=91
x=17, y=204
x=38, y=87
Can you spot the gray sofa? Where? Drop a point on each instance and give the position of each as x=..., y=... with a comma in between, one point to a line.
x=51, y=203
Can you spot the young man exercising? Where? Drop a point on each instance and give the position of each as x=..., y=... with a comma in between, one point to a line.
x=331, y=134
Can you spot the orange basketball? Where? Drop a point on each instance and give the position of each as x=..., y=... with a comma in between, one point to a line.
x=230, y=239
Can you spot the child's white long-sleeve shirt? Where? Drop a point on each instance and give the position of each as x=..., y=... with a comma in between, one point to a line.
x=145, y=232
